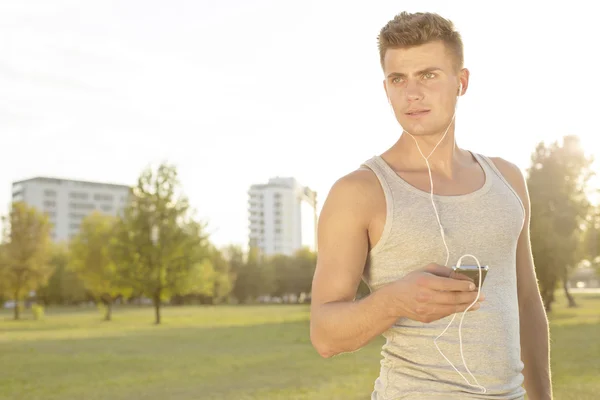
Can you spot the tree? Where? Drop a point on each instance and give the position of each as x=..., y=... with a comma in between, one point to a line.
x=25, y=252
x=293, y=274
x=591, y=243
x=234, y=255
x=557, y=181
x=64, y=286
x=304, y=264
x=93, y=261
x=255, y=278
x=223, y=278
x=161, y=249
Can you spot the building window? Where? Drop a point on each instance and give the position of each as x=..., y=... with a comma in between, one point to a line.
x=78, y=195
x=81, y=206
x=49, y=203
x=76, y=215
x=50, y=193
x=74, y=226
x=106, y=208
x=103, y=197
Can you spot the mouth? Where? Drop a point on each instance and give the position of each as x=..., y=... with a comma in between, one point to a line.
x=418, y=113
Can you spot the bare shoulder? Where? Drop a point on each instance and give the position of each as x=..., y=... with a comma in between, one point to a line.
x=356, y=190
x=343, y=237
x=513, y=174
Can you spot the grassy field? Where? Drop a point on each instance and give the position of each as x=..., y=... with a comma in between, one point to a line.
x=242, y=353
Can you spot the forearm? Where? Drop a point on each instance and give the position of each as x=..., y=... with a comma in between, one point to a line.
x=535, y=351
x=340, y=327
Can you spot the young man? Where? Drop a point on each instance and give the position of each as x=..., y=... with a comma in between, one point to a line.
x=379, y=224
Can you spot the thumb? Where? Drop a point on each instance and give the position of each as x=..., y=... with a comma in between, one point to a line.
x=439, y=270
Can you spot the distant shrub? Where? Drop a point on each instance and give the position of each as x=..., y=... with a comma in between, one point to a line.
x=38, y=311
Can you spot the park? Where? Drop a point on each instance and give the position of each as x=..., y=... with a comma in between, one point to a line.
x=248, y=352
x=132, y=309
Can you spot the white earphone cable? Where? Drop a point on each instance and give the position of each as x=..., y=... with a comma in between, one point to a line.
x=483, y=389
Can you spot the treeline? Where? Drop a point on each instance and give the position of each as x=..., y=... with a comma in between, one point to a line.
x=156, y=251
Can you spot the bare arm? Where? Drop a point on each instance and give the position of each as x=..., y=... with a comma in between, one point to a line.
x=535, y=335
x=338, y=322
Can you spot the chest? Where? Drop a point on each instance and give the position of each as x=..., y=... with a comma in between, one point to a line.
x=487, y=225
x=465, y=180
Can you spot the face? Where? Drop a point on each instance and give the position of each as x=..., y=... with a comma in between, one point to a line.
x=422, y=84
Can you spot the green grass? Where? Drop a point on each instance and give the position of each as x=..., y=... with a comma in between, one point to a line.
x=242, y=353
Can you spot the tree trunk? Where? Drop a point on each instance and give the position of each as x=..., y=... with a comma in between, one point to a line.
x=548, y=305
x=108, y=316
x=569, y=296
x=157, y=309
x=548, y=298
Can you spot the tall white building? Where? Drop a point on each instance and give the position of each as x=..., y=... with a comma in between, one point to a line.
x=67, y=202
x=282, y=217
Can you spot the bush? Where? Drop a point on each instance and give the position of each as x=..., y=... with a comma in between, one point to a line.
x=38, y=311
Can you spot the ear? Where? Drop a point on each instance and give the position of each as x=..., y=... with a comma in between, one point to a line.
x=463, y=79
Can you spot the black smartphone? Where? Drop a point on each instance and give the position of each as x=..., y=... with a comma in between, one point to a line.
x=472, y=271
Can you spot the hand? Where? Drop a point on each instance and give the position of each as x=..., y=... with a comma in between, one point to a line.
x=432, y=293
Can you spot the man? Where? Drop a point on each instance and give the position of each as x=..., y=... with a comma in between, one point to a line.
x=379, y=223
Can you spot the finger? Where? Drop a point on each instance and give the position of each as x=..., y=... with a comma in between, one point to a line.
x=458, y=308
x=455, y=297
x=435, y=282
x=438, y=270
x=458, y=275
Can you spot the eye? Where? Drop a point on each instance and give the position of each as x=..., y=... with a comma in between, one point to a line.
x=429, y=75
x=396, y=80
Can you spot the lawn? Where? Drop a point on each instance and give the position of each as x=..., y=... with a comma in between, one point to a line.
x=242, y=353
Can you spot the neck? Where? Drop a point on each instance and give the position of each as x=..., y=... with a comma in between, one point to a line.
x=444, y=159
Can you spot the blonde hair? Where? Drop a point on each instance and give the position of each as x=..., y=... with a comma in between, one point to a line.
x=408, y=30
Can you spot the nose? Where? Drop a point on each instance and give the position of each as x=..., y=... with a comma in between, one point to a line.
x=413, y=92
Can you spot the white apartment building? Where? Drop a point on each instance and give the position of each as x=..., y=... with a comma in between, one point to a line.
x=282, y=216
x=67, y=202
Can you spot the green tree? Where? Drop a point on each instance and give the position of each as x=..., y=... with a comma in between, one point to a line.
x=64, y=286
x=161, y=249
x=283, y=267
x=25, y=252
x=304, y=264
x=223, y=278
x=93, y=262
x=255, y=278
x=557, y=182
x=591, y=242
x=293, y=274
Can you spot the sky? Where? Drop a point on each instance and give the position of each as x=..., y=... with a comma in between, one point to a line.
x=236, y=92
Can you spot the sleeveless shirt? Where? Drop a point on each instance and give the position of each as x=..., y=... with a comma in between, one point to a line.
x=485, y=223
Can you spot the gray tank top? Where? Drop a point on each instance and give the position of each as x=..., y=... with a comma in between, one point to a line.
x=485, y=223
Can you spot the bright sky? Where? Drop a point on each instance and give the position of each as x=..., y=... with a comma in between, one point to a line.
x=235, y=92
